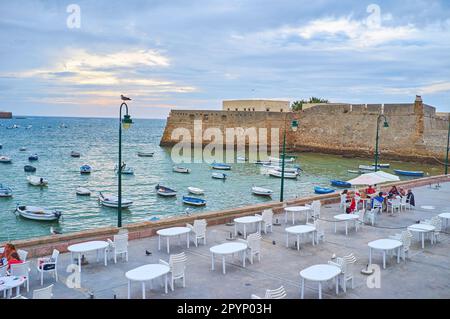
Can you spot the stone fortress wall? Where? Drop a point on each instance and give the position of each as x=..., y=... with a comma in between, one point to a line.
x=415, y=131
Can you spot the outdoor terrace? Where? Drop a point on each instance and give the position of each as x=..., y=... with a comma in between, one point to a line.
x=426, y=274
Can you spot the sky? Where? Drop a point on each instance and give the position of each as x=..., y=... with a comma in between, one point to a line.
x=57, y=59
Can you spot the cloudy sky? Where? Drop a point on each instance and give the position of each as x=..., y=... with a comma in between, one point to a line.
x=193, y=54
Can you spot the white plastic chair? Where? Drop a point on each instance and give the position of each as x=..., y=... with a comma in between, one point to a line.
x=319, y=234
x=406, y=238
x=48, y=265
x=177, y=264
x=44, y=293
x=253, y=246
x=119, y=246
x=377, y=205
x=343, y=203
x=346, y=265
x=394, y=204
x=367, y=216
x=3, y=270
x=278, y=293
x=404, y=204
x=22, y=254
x=267, y=219
x=22, y=270
x=315, y=206
x=199, y=230
x=435, y=221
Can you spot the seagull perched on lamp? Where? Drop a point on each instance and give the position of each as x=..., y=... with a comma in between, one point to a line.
x=124, y=98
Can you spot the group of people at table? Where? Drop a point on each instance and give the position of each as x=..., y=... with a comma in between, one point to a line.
x=9, y=256
x=374, y=197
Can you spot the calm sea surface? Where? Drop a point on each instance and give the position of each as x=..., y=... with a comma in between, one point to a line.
x=97, y=141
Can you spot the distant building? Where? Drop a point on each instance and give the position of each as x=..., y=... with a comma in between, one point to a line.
x=5, y=115
x=256, y=105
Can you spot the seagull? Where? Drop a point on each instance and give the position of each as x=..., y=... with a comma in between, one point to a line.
x=54, y=232
x=124, y=98
x=148, y=253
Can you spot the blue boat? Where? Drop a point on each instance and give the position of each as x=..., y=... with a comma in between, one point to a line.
x=323, y=190
x=409, y=173
x=337, y=183
x=85, y=169
x=221, y=166
x=194, y=201
x=33, y=157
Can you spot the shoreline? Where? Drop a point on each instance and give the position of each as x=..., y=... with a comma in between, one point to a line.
x=43, y=246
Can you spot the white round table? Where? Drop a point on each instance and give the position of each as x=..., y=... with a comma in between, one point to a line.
x=247, y=220
x=146, y=273
x=319, y=273
x=9, y=282
x=88, y=246
x=299, y=230
x=422, y=229
x=172, y=232
x=384, y=245
x=227, y=249
x=296, y=209
x=445, y=216
x=346, y=218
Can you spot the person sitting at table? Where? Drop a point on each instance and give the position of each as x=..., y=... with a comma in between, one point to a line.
x=14, y=258
x=347, y=195
x=402, y=192
x=379, y=199
x=352, y=208
x=410, y=198
x=8, y=250
x=394, y=191
x=370, y=190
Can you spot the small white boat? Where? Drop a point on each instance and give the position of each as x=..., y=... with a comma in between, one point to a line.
x=276, y=173
x=241, y=159
x=219, y=175
x=38, y=213
x=75, y=154
x=179, y=169
x=126, y=170
x=286, y=169
x=37, y=181
x=195, y=190
x=279, y=160
x=113, y=201
x=5, y=159
x=23, y=149
x=261, y=191
x=28, y=127
x=5, y=191
x=145, y=154
x=366, y=168
x=350, y=171
x=83, y=191
x=259, y=162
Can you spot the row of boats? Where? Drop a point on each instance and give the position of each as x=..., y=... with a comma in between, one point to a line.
x=371, y=168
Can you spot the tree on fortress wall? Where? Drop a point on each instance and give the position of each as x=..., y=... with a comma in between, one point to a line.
x=298, y=105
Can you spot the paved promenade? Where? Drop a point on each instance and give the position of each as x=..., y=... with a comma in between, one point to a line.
x=426, y=274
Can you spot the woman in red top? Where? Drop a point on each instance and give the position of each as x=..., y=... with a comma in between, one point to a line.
x=14, y=259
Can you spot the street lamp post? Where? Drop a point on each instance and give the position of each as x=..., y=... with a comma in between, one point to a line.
x=386, y=124
x=126, y=123
x=448, y=147
x=294, y=126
